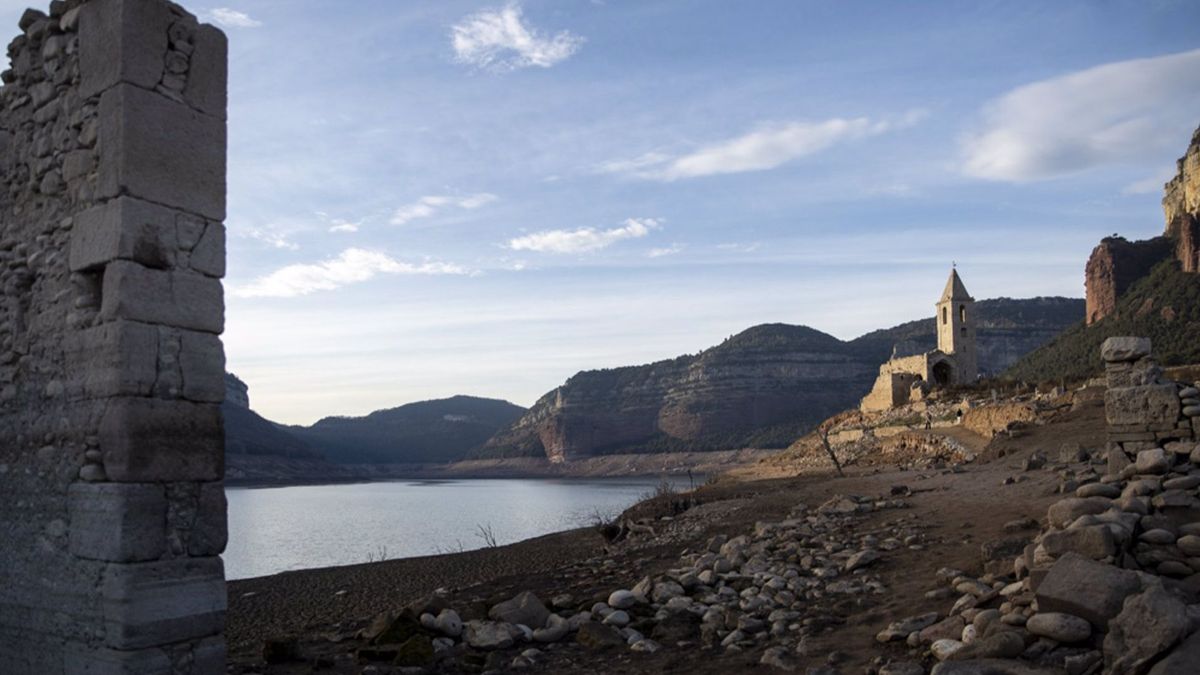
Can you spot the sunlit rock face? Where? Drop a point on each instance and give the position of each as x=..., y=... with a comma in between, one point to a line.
x=1181, y=206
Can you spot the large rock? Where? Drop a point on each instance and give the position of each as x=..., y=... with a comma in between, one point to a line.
x=1059, y=626
x=1064, y=512
x=1093, y=541
x=1155, y=404
x=1116, y=349
x=1006, y=644
x=1087, y=589
x=898, y=630
x=597, y=636
x=1184, y=660
x=991, y=667
x=524, y=609
x=1149, y=624
x=490, y=634
x=1152, y=461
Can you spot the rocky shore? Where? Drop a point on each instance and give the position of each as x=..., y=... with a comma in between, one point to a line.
x=1055, y=551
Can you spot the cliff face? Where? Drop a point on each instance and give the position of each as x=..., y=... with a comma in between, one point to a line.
x=1116, y=264
x=763, y=387
x=1181, y=206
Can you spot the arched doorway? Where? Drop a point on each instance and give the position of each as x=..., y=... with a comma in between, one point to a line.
x=943, y=373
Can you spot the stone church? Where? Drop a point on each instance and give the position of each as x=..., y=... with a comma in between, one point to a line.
x=908, y=376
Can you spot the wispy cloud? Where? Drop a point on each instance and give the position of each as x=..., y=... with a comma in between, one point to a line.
x=737, y=247
x=271, y=238
x=430, y=204
x=340, y=225
x=500, y=39
x=1150, y=184
x=354, y=265
x=766, y=148
x=584, y=239
x=1120, y=112
x=231, y=18
x=665, y=251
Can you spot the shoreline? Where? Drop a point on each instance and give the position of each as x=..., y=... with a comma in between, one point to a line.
x=290, y=474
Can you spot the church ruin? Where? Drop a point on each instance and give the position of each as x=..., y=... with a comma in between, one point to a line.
x=909, y=375
x=112, y=250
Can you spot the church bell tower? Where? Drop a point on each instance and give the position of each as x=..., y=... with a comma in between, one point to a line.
x=956, y=329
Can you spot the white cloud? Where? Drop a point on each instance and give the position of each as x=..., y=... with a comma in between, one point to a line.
x=231, y=18
x=340, y=225
x=430, y=204
x=584, y=239
x=354, y=265
x=271, y=238
x=666, y=251
x=767, y=148
x=1123, y=112
x=499, y=39
x=740, y=247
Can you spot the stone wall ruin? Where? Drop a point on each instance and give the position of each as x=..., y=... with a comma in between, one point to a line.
x=112, y=250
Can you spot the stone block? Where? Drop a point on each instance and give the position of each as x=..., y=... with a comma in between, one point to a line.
x=122, y=41
x=158, y=603
x=202, y=364
x=145, y=439
x=208, y=257
x=210, y=532
x=1095, y=542
x=113, y=359
x=162, y=151
x=117, y=522
x=124, y=229
x=177, y=298
x=1149, y=405
x=207, y=89
x=1086, y=588
x=1119, y=349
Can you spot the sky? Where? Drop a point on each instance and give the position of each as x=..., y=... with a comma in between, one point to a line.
x=474, y=197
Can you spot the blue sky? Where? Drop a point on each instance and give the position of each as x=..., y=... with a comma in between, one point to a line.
x=435, y=198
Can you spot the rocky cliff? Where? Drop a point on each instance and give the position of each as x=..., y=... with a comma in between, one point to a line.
x=762, y=387
x=1116, y=264
x=1181, y=206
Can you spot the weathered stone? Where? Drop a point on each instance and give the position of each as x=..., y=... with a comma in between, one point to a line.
x=861, y=559
x=490, y=634
x=1152, y=461
x=1182, y=660
x=209, y=533
x=149, y=439
x=1005, y=644
x=1095, y=542
x=118, y=522
x=156, y=603
x=1118, y=349
x=1149, y=623
x=556, y=629
x=1061, y=627
x=991, y=667
x=171, y=298
x=1098, y=490
x=187, y=174
x=1090, y=590
x=524, y=609
x=597, y=636
x=1145, y=405
x=1064, y=512
x=950, y=628
x=124, y=229
x=119, y=358
x=622, y=599
x=122, y=41
x=898, y=630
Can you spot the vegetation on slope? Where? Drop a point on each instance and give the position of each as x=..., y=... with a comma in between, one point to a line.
x=443, y=430
x=1163, y=306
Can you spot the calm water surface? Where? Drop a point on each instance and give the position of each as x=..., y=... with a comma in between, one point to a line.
x=289, y=528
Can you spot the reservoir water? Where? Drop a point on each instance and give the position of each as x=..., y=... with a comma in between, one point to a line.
x=289, y=528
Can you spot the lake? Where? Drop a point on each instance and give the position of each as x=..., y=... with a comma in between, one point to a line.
x=290, y=528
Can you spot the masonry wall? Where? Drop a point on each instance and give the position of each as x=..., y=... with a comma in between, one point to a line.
x=112, y=197
x=1143, y=409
